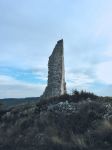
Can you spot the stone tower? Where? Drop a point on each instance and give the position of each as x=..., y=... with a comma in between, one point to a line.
x=56, y=85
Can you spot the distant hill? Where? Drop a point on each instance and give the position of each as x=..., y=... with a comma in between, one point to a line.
x=10, y=102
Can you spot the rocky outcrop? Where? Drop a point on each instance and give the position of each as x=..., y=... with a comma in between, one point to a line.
x=56, y=73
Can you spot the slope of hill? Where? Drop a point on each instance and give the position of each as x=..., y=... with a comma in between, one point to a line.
x=64, y=123
x=10, y=102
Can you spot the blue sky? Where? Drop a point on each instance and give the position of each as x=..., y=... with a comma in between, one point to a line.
x=29, y=30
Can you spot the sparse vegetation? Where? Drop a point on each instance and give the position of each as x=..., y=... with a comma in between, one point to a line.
x=81, y=121
x=76, y=96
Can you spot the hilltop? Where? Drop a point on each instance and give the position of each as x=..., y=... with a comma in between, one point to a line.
x=81, y=121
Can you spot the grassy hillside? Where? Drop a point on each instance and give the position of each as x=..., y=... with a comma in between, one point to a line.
x=81, y=121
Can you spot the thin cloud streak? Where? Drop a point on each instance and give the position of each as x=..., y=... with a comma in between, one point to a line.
x=10, y=87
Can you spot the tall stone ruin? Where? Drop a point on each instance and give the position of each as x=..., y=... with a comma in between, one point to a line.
x=56, y=85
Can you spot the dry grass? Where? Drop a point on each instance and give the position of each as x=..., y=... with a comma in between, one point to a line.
x=78, y=140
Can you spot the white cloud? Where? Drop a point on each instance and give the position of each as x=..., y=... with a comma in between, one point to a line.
x=103, y=24
x=108, y=53
x=40, y=73
x=78, y=81
x=10, y=87
x=28, y=39
x=104, y=72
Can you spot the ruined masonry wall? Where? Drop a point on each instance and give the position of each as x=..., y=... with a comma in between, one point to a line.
x=56, y=73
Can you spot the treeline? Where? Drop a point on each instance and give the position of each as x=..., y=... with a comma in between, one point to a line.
x=79, y=95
